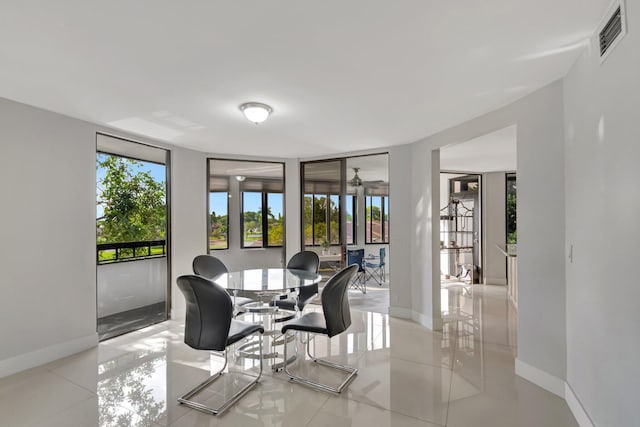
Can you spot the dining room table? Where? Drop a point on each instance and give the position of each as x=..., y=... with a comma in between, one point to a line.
x=265, y=285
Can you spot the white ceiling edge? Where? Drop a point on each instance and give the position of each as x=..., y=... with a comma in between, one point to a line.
x=492, y=152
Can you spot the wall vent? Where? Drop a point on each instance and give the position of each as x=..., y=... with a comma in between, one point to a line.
x=612, y=29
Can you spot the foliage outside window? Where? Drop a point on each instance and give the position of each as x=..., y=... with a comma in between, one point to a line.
x=131, y=205
x=376, y=219
x=262, y=220
x=317, y=215
x=219, y=220
x=512, y=229
x=351, y=223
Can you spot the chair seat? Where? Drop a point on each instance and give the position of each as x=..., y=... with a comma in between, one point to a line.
x=310, y=322
x=240, y=330
x=370, y=265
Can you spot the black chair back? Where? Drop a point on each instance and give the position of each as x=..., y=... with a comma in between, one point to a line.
x=335, y=301
x=208, y=313
x=305, y=260
x=354, y=256
x=208, y=266
x=383, y=254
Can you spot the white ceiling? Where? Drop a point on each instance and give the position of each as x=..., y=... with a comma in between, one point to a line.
x=340, y=75
x=492, y=152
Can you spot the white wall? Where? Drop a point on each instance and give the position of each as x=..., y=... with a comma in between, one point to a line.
x=541, y=269
x=124, y=286
x=494, y=228
x=602, y=105
x=188, y=217
x=48, y=235
x=47, y=228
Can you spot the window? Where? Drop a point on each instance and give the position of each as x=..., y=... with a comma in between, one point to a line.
x=218, y=220
x=351, y=219
x=322, y=221
x=262, y=221
x=376, y=228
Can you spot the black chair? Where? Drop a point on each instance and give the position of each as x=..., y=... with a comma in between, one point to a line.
x=307, y=261
x=359, y=282
x=209, y=326
x=334, y=320
x=211, y=267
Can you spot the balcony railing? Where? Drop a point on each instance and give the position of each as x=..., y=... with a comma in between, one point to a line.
x=107, y=253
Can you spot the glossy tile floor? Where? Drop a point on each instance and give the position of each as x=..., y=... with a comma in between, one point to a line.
x=408, y=376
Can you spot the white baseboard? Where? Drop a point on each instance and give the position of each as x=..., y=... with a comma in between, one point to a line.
x=540, y=378
x=576, y=407
x=408, y=314
x=556, y=386
x=44, y=355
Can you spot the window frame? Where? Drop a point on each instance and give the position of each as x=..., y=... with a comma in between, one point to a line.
x=264, y=220
x=209, y=222
x=328, y=219
x=369, y=222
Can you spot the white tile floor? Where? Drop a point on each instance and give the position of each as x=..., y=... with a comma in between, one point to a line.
x=408, y=376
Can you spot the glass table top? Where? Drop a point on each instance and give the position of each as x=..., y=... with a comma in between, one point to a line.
x=267, y=279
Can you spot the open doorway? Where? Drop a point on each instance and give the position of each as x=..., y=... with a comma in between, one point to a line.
x=345, y=218
x=132, y=254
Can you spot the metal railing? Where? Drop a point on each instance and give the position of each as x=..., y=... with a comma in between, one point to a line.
x=107, y=253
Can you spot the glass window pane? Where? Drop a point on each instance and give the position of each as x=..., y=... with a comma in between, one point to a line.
x=275, y=221
x=252, y=220
x=386, y=219
x=367, y=223
x=376, y=219
x=308, y=219
x=319, y=219
x=350, y=219
x=218, y=220
x=334, y=218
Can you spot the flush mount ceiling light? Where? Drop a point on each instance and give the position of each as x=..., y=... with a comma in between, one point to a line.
x=240, y=178
x=255, y=111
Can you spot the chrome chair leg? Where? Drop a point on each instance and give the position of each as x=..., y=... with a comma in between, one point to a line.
x=316, y=385
x=185, y=399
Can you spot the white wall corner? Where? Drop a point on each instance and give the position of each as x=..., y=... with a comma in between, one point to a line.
x=540, y=378
x=419, y=318
x=47, y=354
x=576, y=407
x=401, y=313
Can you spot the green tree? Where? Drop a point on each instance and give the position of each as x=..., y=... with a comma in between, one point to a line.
x=132, y=201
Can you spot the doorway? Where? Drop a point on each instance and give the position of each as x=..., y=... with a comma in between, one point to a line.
x=132, y=236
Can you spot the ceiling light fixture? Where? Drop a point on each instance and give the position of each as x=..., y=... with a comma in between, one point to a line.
x=240, y=178
x=256, y=112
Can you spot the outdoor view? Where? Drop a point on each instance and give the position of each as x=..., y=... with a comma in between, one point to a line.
x=131, y=208
x=377, y=219
x=219, y=219
x=315, y=219
x=253, y=206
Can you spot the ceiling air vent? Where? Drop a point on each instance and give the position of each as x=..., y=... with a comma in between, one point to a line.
x=611, y=29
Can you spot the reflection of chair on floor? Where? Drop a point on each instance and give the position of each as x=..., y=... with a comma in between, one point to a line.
x=355, y=256
x=375, y=270
x=334, y=319
x=209, y=325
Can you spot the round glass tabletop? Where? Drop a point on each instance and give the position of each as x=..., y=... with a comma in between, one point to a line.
x=267, y=279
